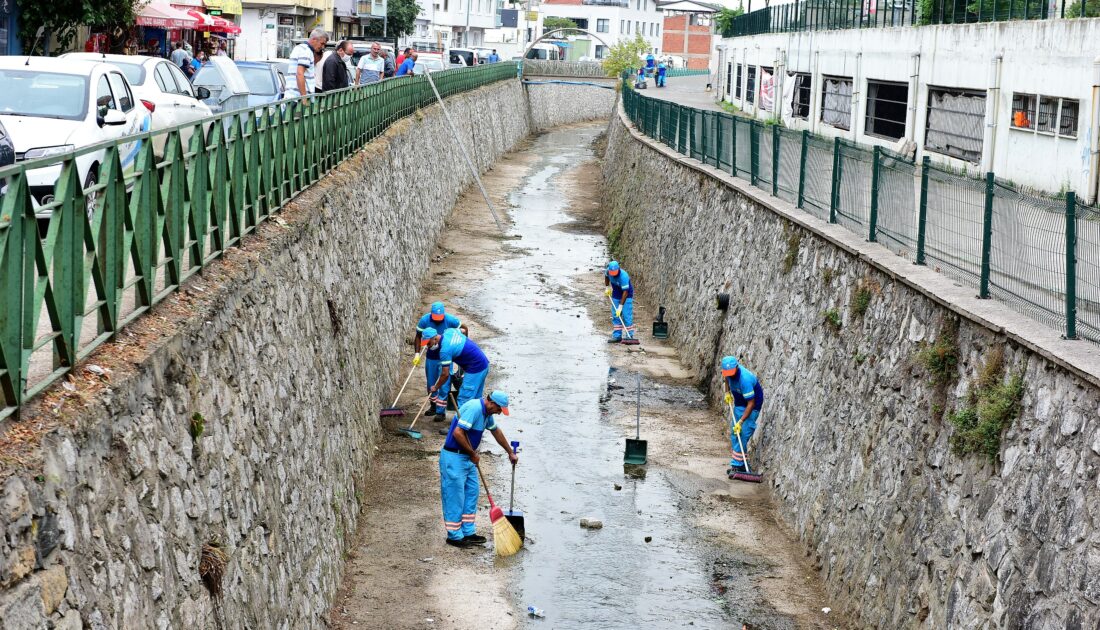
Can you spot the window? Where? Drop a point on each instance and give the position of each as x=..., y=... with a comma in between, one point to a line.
x=750, y=86
x=729, y=77
x=800, y=99
x=103, y=96
x=1045, y=114
x=887, y=104
x=622, y=26
x=836, y=102
x=122, y=91
x=601, y=51
x=181, y=80
x=737, y=90
x=602, y=25
x=638, y=28
x=163, y=76
x=956, y=123
x=767, y=89
x=658, y=30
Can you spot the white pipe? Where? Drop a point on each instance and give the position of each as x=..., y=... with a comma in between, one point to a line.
x=777, y=85
x=1094, y=150
x=992, y=106
x=815, y=98
x=857, y=83
x=914, y=87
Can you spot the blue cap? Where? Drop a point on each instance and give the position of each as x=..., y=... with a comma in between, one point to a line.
x=501, y=399
x=729, y=366
x=427, y=334
x=613, y=267
x=438, y=312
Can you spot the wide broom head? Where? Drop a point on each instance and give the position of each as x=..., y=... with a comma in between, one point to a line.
x=505, y=539
x=630, y=342
x=392, y=412
x=749, y=477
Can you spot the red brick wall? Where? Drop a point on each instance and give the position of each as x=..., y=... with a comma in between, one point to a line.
x=698, y=38
x=672, y=43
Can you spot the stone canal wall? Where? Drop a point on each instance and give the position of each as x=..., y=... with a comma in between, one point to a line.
x=241, y=415
x=854, y=348
x=554, y=104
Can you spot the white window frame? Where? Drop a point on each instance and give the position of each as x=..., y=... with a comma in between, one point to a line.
x=1036, y=101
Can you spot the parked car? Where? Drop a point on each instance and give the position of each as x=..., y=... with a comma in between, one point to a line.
x=483, y=54
x=454, y=59
x=430, y=65
x=265, y=83
x=7, y=149
x=228, y=88
x=52, y=106
x=469, y=56
x=164, y=90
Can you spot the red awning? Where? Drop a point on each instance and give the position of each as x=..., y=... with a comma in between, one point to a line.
x=213, y=23
x=161, y=15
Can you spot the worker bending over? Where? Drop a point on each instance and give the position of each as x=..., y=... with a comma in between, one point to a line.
x=744, y=393
x=617, y=281
x=440, y=320
x=458, y=478
x=455, y=349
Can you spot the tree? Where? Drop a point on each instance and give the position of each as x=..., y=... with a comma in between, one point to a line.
x=1092, y=9
x=724, y=18
x=625, y=55
x=401, y=19
x=552, y=23
x=62, y=17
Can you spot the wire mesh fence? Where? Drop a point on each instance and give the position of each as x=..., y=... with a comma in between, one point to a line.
x=1037, y=253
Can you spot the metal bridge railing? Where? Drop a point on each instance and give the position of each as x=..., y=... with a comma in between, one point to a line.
x=118, y=242
x=1038, y=254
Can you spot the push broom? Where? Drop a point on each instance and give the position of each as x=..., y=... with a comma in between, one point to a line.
x=409, y=431
x=505, y=539
x=393, y=410
x=629, y=340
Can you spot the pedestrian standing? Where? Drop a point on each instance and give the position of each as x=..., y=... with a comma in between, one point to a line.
x=302, y=65
x=403, y=56
x=662, y=71
x=196, y=61
x=458, y=459
x=406, y=67
x=180, y=56
x=617, y=281
x=372, y=66
x=746, y=395
x=436, y=319
x=494, y=57
x=458, y=350
x=334, y=71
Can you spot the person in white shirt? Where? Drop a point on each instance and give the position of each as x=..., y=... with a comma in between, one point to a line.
x=302, y=67
x=371, y=67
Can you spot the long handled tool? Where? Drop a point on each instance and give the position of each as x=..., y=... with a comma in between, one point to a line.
x=629, y=340
x=635, y=453
x=505, y=539
x=393, y=410
x=416, y=435
x=748, y=474
x=514, y=516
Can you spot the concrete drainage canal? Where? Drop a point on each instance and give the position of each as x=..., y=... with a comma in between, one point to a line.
x=680, y=545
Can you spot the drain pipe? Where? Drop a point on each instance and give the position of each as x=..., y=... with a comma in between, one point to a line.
x=992, y=106
x=914, y=87
x=815, y=95
x=1094, y=150
x=857, y=82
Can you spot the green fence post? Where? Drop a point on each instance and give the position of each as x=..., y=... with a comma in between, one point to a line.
x=987, y=237
x=703, y=137
x=802, y=168
x=922, y=208
x=1071, y=265
x=834, y=197
x=754, y=151
x=733, y=145
x=718, y=141
x=775, y=160
x=872, y=231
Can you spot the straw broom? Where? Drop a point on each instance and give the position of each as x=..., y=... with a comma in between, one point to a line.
x=505, y=539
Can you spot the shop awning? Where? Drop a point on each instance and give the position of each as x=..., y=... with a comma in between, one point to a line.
x=161, y=15
x=213, y=23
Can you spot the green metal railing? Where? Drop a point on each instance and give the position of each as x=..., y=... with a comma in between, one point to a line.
x=114, y=248
x=1039, y=254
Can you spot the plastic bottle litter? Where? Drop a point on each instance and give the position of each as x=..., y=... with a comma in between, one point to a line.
x=536, y=612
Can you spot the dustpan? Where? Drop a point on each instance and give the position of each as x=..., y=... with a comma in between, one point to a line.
x=635, y=453
x=660, y=327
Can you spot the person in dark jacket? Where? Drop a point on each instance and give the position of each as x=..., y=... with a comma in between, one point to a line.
x=334, y=72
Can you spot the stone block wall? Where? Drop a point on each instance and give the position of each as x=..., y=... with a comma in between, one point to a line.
x=557, y=104
x=853, y=444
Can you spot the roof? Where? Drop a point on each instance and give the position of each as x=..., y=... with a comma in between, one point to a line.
x=691, y=6
x=48, y=64
x=131, y=59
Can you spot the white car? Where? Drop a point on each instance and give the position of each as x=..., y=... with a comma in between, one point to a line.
x=163, y=88
x=52, y=106
x=427, y=65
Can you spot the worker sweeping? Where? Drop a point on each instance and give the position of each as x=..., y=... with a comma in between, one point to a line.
x=438, y=319
x=456, y=349
x=617, y=281
x=744, y=392
x=458, y=477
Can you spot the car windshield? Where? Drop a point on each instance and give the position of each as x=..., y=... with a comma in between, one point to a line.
x=43, y=94
x=135, y=73
x=259, y=80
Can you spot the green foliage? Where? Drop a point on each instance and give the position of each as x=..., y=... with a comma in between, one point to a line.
x=62, y=18
x=198, y=424
x=941, y=359
x=1092, y=9
x=729, y=107
x=724, y=18
x=625, y=55
x=991, y=406
x=827, y=275
x=861, y=297
x=552, y=23
x=859, y=357
x=400, y=19
x=832, y=319
x=794, y=241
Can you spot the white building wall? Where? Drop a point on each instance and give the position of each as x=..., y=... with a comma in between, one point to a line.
x=638, y=12
x=1051, y=58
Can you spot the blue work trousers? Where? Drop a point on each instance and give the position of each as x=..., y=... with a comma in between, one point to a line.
x=473, y=386
x=660, y=80
x=748, y=427
x=624, y=325
x=459, y=488
x=432, y=368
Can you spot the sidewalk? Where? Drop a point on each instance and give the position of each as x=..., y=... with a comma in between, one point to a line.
x=690, y=91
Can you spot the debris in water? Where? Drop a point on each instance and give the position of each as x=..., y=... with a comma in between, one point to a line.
x=428, y=559
x=618, y=487
x=826, y=610
x=649, y=538
x=591, y=523
x=536, y=612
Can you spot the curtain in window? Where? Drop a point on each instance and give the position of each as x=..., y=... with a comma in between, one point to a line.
x=836, y=110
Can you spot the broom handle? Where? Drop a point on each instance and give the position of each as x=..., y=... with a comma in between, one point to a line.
x=482, y=475
x=748, y=468
x=512, y=493
x=638, y=417
x=403, y=385
x=420, y=411
x=630, y=335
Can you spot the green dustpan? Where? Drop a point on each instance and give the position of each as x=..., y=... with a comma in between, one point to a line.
x=635, y=453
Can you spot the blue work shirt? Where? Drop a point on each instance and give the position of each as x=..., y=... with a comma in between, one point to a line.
x=661, y=69
x=458, y=349
x=474, y=421
x=406, y=67
x=449, y=321
x=745, y=387
x=649, y=61
x=494, y=58
x=620, y=284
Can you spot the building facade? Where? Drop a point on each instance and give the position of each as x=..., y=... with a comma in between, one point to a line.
x=688, y=32
x=455, y=23
x=268, y=27
x=611, y=20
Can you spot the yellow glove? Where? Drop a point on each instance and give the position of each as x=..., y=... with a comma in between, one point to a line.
x=729, y=398
x=607, y=291
x=737, y=428
x=416, y=360
x=619, y=312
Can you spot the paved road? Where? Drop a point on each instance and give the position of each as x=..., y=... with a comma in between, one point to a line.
x=691, y=91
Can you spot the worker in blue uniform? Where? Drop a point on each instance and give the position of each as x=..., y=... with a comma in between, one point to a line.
x=650, y=64
x=744, y=392
x=456, y=349
x=662, y=73
x=458, y=478
x=437, y=319
x=617, y=281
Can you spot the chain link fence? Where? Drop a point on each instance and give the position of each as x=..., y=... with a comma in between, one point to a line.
x=1037, y=253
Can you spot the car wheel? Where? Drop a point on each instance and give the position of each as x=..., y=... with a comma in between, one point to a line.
x=90, y=200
